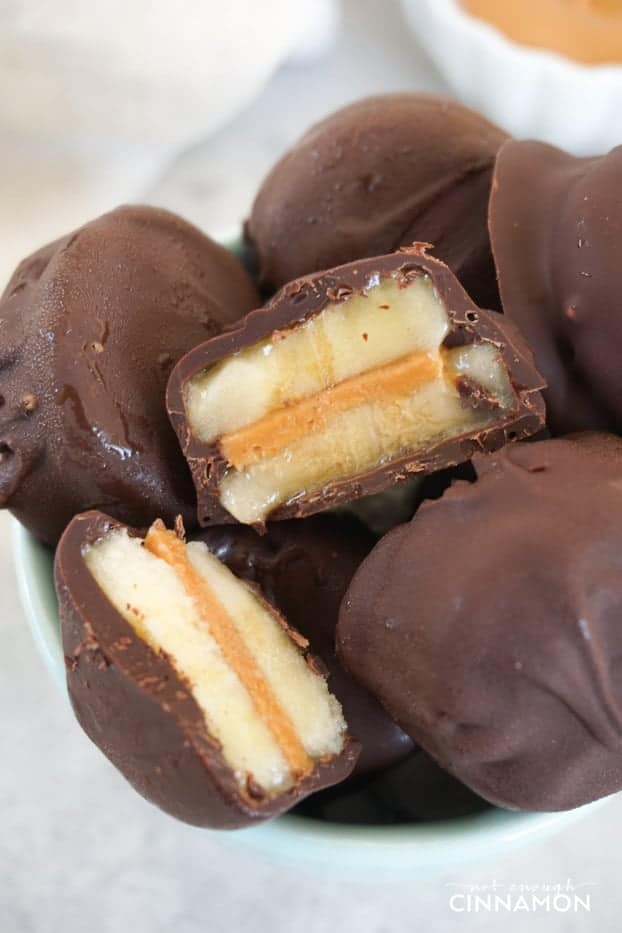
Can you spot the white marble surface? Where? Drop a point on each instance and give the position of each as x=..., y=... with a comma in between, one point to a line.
x=79, y=851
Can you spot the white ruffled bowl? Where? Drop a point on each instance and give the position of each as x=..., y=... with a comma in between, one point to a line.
x=532, y=93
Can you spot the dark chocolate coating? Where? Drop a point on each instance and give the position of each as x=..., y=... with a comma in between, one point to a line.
x=309, y=296
x=135, y=707
x=381, y=173
x=303, y=568
x=490, y=626
x=417, y=790
x=91, y=327
x=556, y=228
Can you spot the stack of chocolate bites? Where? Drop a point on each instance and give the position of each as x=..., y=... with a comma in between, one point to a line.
x=346, y=512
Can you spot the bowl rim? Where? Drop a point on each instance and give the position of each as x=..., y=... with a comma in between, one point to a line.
x=454, y=15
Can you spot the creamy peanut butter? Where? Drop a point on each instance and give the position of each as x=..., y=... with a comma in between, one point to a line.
x=588, y=31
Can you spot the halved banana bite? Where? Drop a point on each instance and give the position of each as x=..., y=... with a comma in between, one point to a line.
x=189, y=681
x=344, y=383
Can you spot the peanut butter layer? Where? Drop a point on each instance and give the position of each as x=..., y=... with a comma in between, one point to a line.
x=169, y=548
x=346, y=339
x=288, y=424
x=360, y=438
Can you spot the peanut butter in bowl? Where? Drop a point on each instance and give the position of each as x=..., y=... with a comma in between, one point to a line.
x=587, y=31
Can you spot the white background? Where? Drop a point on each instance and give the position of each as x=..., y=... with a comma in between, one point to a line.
x=79, y=851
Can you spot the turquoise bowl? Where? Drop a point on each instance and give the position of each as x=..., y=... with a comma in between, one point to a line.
x=378, y=853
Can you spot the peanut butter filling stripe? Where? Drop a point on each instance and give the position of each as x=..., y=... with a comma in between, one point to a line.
x=168, y=547
x=286, y=425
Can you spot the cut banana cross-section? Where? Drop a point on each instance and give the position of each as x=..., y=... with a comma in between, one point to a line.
x=230, y=685
x=345, y=383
